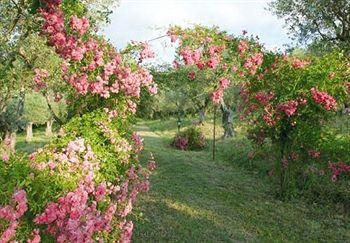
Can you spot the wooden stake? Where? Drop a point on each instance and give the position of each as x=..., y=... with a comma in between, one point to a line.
x=214, y=132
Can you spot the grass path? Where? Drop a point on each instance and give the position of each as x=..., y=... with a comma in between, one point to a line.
x=195, y=199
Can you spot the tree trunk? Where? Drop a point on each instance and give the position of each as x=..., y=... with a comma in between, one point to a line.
x=29, y=130
x=7, y=139
x=48, y=131
x=9, y=142
x=227, y=120
x=13, y=141
x=201, y=117
x=61, y=132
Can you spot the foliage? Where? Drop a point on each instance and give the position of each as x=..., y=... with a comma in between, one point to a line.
x=36, y=109
x=290, y=104
x=195, y=199
x=325, y=23
x=43, y=199
x=191, y=138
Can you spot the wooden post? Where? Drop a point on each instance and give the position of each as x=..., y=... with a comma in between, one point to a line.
x=214, y=133
x=48, y=131
x=29, y=131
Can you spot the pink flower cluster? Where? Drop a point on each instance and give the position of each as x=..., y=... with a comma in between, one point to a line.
x=224, y=83
x=36, y=236
x=218, y=94
x=146, y=52
x=5, y=157
x=243, y=46
x=324, y=99
x=74, y=218
x=181, y=143
x=138, y=142
x=314, y=153
x=213, y=62
x=269, y=116
x=190, y=57
x=254, y=62
x=102, y=71
x=337, y=169
x=127, y=229
x=289, y=107
x=264, y=97
x=81, y=25
x=76, y=157
x=40, y=75
x=13, y=213
x=192, y=75
x=299, y=63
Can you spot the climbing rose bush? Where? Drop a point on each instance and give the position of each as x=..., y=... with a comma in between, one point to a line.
x=289, y=103
x=191, y=138
x=82, y=186
x=214, y=58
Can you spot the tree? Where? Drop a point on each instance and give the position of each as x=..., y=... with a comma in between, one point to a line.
x=215, y=61
x=178, y=92
x=22, y=50
x=35, y=112
x=325, y=24
x=102, y=87
x=290, y=105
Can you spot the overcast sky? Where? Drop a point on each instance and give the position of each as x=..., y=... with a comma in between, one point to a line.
x=146, y=19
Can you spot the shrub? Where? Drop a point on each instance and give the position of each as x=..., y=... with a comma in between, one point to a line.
x=190, y=139
x=291, y=104
x=82, y=186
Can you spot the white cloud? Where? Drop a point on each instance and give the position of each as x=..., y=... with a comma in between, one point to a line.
x=146, y=19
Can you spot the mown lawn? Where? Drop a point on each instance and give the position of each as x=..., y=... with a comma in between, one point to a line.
x=196, y=199
x=39, y=140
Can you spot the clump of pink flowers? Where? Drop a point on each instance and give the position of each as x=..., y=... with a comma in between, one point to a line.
x=289, y=107
x=40, y=76
x=138, y=142
x=314, y=153
x=5, y=157
x=299, y=63
x=190, y=57
x=12, y=213
x=254, y=62
x=264, y=97
x=224, y=83
x=76, y=46
x=337, y=169
x=74, y=219
x=243, y=46
x=81, y=25
x=217, y=95
x=324, y=99
x=192, y=75
x=181, y=143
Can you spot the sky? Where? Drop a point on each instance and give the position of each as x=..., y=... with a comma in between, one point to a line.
x=143, y=20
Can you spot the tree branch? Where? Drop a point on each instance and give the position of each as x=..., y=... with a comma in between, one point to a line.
x=55, y=117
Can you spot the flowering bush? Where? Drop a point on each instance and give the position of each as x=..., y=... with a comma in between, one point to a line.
x=289, y=103
x=215, y=59
x=82, y=186
x=190, y=139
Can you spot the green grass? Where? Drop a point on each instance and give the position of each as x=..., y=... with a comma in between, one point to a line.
x=196, y=199
x=39, y=140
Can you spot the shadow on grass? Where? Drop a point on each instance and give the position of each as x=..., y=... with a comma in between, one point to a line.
x=196, y=199
x=39, y=140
